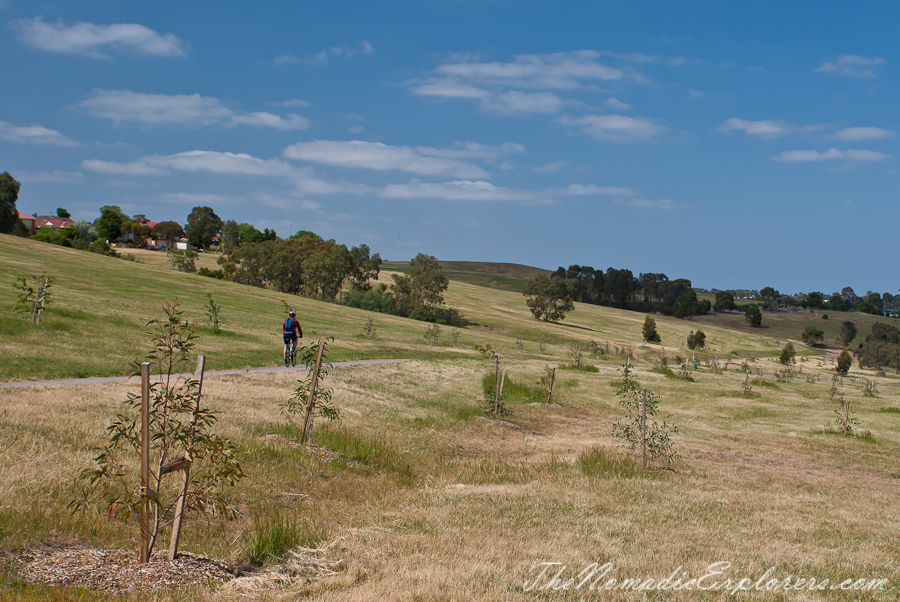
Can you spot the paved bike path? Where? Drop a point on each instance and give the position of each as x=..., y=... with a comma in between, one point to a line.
x=100, y=380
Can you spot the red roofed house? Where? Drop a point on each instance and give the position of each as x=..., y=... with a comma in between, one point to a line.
x=57, y=223
x=28, y=220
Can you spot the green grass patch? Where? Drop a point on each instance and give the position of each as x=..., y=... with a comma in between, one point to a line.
x=596, y=462
x=366, y=449
x=513, y=391
x=580, y=368
x=888, y=410
x=275, y=534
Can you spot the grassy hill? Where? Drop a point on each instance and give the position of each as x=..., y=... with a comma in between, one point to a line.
x=96, y=322
x=502, y=276
x=415, y=490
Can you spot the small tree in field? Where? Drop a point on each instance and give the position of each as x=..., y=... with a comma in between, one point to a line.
x=844, y=363
x=649, y=331
x=299, y=402
x=213, y=312
x=787, y=354
x=812, y=336
x=548, y=298
x=696, y=340
x=32, y=300
x=180, y=429
x=640, y=427
x=753, y=317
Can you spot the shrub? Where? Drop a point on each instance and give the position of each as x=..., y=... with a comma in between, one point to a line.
x=376, y=299
x=649, y=331
x=812, y=336
x=445, y=316
x=753, y=316
x=844, y=363
x=219, y=274
x=787, y=354
x=696, y=340
x=639, y=426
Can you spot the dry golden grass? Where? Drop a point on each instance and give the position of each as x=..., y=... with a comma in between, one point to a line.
x=451, y=507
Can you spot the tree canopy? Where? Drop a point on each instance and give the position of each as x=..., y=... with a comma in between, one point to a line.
x=649, y=331
x=9, y=194
x=202, y=225
x=724, y=301
x=812, y=336
x=422, y=287
x=109, y=224
x=753, y=316
x=848, y=332
x=548, y=298
x=170, y=231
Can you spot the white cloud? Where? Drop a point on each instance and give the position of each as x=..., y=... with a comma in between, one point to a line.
x=472, y=150
x=509, y=87
x=56, y=176
x=91, y=40
x=763, y=129
x=380, y=157
x=222, y=163
x=293, y=102
x=852, y=65
x=660, y=204
x=225, y=163
x=136, y=168
x=696, y=93
x=550, y=167
x=618, y=105
x=581, y=190
x=450, y=88
x=867, y=133
x=287, y=58
x=193, y=198
x=558, y=71
x=615, y=128
x=187, y=109
x=468, y=190
x=35, y=134
x=323, y=56
x=514, y=102
x=796, y=156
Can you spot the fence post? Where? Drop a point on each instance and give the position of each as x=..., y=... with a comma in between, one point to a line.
x=178, y=522
x=550, y=388
x=643, y=403
x=306, y=434
x=497, y=389
x=145, y=462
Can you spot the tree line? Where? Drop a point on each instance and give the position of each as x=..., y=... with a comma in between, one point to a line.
x=618, y=288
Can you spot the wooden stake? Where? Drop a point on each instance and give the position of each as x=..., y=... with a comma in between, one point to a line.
x=311, y=402
x=502, y=380
x=178, y=523
x=144, y=549
x=185, y=466
x=497, y=389
x=550, y=388
x=643, y=403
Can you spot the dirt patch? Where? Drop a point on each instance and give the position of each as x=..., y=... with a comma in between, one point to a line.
x=500, y=422
x=115, y=571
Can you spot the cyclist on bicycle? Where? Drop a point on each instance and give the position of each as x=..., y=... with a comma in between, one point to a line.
x=291, y=329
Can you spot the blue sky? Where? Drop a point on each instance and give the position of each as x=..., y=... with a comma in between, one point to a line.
x=738, y=145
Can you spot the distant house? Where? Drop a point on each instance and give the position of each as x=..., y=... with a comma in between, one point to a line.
x=57, y=223
x=28, y=221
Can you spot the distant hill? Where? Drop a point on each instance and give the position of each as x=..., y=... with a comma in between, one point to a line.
x=510, y=277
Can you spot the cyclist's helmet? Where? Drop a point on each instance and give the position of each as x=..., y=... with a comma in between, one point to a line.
x=292, y=313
